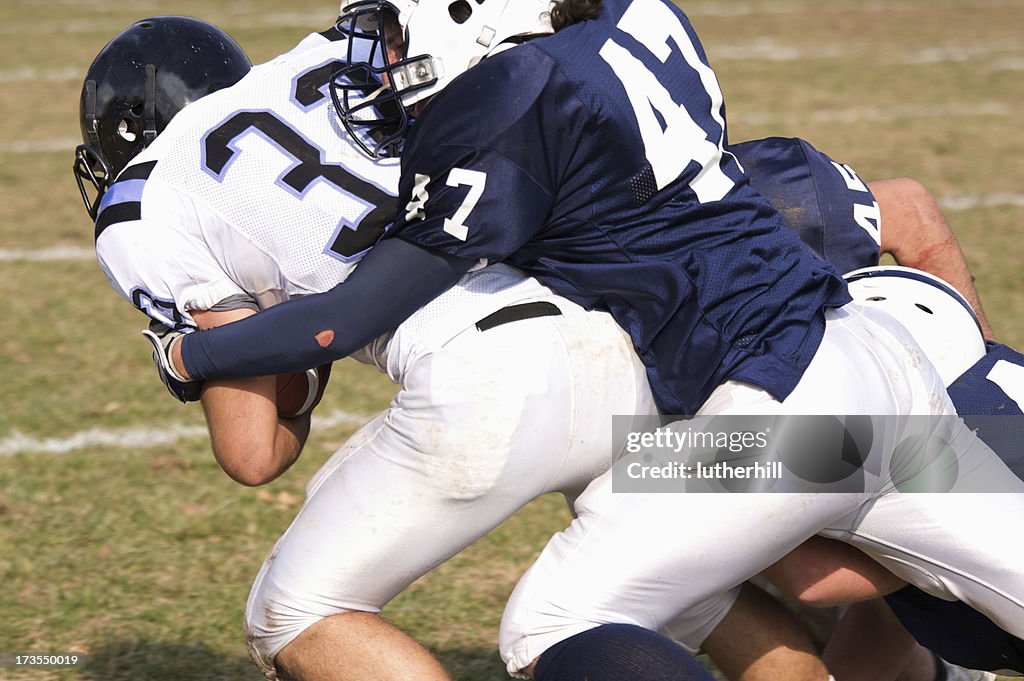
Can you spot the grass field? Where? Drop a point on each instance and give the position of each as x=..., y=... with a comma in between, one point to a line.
x=119, y=536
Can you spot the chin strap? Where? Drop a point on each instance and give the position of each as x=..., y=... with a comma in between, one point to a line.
x=90, y=166
x=91, y=127
x=149, y=130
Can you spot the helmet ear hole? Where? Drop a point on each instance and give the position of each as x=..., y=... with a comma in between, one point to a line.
x=431, y=43
x=126, y=130
x=938, y=317
x=460, y=11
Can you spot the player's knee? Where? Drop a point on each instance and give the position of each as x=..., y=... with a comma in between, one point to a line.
x=526, y=632
x=268, y=630
x=272, y=626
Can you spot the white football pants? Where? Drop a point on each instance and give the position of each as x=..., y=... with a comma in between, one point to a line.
x=479, y=428
x=662, y=560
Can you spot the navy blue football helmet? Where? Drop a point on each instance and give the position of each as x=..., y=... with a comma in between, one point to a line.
x=136, y=85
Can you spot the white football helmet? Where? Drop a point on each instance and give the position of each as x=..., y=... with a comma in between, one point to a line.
x=432, y=42
x=936, y=314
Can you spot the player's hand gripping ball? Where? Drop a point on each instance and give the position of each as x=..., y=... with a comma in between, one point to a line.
x=298, y=393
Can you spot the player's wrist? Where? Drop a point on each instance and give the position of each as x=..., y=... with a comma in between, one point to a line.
x=176, y=363
x=162, y=338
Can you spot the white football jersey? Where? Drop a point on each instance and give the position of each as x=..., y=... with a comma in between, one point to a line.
x=255, y=194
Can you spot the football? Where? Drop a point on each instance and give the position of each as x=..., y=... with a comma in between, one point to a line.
x=299, y=392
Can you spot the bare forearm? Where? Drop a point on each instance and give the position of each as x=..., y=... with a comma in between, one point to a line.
x=250, y=442
x=916, y=234
x=391, y=283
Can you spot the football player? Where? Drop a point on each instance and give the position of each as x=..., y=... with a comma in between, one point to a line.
x=240, y=272
x=985, y=383
x=826, y=202
x=253, y=195
x=592, y=158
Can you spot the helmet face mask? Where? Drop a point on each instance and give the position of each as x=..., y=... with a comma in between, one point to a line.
x=368, y=91
x=138, y=83
x=422, y=45
x=938, y=317
x=91, y=168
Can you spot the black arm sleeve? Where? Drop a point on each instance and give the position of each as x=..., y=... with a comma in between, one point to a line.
x=394, y=280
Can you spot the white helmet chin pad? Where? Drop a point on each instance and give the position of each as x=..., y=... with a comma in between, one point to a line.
x=936, y=314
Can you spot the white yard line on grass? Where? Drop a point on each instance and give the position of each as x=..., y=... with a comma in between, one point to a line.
x=881, y=114
x=66, y=145
x=139, y=438
x=67, y=254
x=63, y=145
x=952, y=202
x=1006, y=57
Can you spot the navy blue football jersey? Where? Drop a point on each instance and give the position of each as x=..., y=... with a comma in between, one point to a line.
x=592, y=159
x=835, y=214
x=825, y=201
x=989, y=396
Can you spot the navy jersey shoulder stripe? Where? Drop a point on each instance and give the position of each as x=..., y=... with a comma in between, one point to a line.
x=139, y=171
x=122, y=202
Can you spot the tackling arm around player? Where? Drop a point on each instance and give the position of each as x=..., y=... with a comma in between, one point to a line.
x=250, y=440
x=917, y=235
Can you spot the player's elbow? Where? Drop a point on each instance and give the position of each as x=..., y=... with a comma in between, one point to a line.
x=253, y=477
x=252, y=465
x=921, y=199
x=913, y=226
